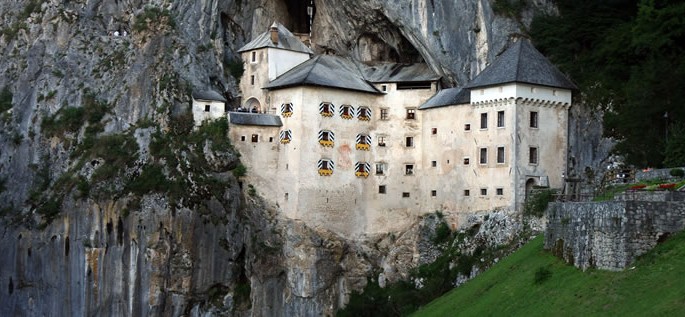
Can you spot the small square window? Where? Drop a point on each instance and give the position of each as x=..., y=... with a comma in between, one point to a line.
x=381, y=189
x=384, y=87
x=500, y=119
x=381, y=141
x=500, y=191
x=467, y=127
x=483, y=120
x=410, y=141
x=255, y=138
x=411, y=114
x=207, y=108
x=483, y=191
x=533, y=155
x=466, y=161
x=271, y=139
x=380, y=168
x=405, y=195
x=384, y=114
x=242, y=138
x=434, y=193
x=467, y=192
x=434, y=163
x=483, y=156
x=500, y=155
x=533, y=119
x=409, y=169
x=434, y=130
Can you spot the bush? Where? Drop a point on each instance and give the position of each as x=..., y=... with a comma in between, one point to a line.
x=240, y=170
x=537, y=202
x=5, y=99
x=235, y=67
x=152, y=179
x=677, y=172
x=442, y=233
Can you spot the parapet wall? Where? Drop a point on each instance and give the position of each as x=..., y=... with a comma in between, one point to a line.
x=610, y=235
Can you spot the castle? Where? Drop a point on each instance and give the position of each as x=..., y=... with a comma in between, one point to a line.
x=362, y=149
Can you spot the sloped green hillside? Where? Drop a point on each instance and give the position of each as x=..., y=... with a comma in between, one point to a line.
x=532, y=282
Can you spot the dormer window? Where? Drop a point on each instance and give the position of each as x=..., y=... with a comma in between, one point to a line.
x=363, y=142
x=364, y=113
x=326, y=109
x=287, y=110
x=326, y=138
x=346, y=112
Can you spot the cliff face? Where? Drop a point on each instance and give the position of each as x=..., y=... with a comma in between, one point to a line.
x=78, y=234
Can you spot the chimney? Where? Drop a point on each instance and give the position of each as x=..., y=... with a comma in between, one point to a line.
x=274, y=33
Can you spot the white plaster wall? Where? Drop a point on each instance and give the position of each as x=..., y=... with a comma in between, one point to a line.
x=281, y=61
x=216, y=110
x=261, y=158
x=519, y=90
x=260, y=70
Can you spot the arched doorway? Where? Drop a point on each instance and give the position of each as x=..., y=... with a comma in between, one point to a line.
x=530, y=183
x=253, y=105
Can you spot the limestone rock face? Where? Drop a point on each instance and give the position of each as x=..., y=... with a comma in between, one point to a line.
x=228, y=254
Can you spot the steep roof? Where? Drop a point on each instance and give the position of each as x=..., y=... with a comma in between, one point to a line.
x=448, y=97
x=325, y=71
x=392, y=73
x=522, y=63
x=286, y=41
x=208, y=95
x=260, y=119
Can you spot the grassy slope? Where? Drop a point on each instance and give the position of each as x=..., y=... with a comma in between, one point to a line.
x=655, y=287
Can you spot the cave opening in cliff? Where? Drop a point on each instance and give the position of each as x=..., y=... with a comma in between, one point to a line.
x=302, y=15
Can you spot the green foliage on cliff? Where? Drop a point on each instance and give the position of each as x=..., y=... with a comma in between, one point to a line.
x=5, y=99
x=151, y=15
x=654, y=287
x=536, y=204
x=71, y=119
x=627, y=58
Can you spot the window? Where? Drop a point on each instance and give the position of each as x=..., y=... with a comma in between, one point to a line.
x=381, y=189
x=409, y=169
x=286, y=136
x=500, y=155
x=434, y=163
x=483, y=120
x=380, y=168
x=286, y=197
x=255, y=138
x=533, y=155
x=384, y=87
x=271, y=139
x=326, y=138
x=467, y=192
x=254, y=57
x=467, y=127
x=409, y=142
x=326, y=167
x=326, y=109
x=287, y=110
x=363, y=142
x=242, y=138
x=483, y=191
x=384, y=114
x=364, y=114
x=434, y=193
x=252, y=80
x=434, y=130
x=381, y=141
x=362, y=169
x=484, y=156
x=500, y=191
x=466, y=161
x=533, y=119
x=414, y=85
x=405, y=195
x=500, y=119
x=346, y=112
x=207, y=108
x=411, y=114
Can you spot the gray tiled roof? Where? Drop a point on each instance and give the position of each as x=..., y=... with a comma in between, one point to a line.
x=208, y=95
x=325, y=71
x=521, y=63
x=392, y=73
x=261, y=119
x=286, y=41
x=448, y=97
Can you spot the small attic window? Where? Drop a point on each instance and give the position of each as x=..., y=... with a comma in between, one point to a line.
x=207, y=108
x=414, y=85
x=384, y=87
x=253, y=59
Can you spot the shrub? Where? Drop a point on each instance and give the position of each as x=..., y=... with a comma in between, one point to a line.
x=235, y=67
x=152, y=179
x=5, y=99
x=240, y=170
x=442, y=233
x=537, y=202
x=677, y=172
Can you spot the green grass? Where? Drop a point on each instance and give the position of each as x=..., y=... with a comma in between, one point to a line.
x=513, y=287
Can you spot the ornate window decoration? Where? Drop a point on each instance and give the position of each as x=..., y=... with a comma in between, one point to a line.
x=326, y=167
x=346, y=112
x=363, y=142
x=326, y=138
x=326, y=109
x=364, y=113
x=361, y=169
x=286, y=136
x=287, y=110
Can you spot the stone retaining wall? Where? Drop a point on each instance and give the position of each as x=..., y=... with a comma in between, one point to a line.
x=609, y=235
